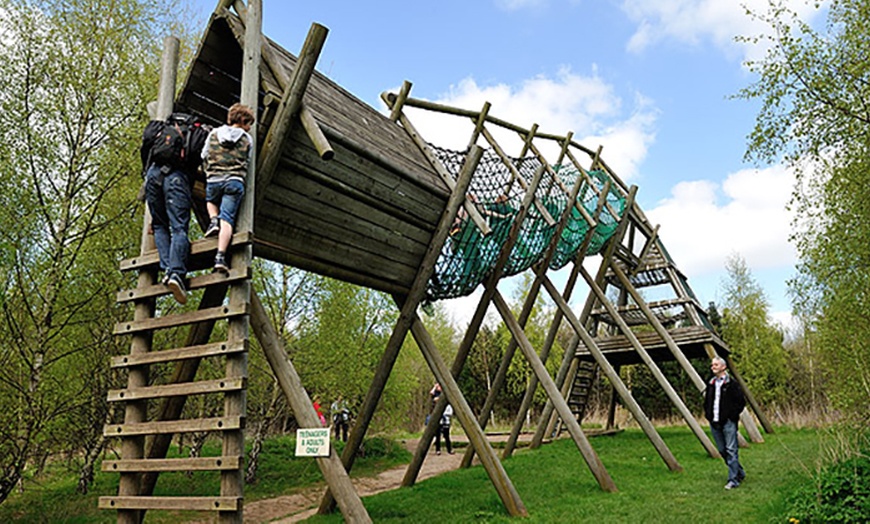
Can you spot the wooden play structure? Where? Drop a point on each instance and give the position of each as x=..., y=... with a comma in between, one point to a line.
x=340, y=189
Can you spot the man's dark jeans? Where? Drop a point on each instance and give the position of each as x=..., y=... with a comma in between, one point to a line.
x=169, y=200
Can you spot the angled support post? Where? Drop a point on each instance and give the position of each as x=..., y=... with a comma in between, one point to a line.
x=333, y=471
x=406, y=317
x=473, y=327
x=614, y=241
x=592, y=460
x=503, y=485
x=526, y=403
x=666, y=337
x=525, y=313
x=614, y=378
x=291, y=104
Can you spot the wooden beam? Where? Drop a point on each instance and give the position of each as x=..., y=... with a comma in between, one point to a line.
x=592, y=460
x=333, y=471
x=436, y=164
x=312, y=128
x=291, y=103
x=406, y=317
x=489, y=290
x=452, y=394
x=525, y=313
x=396, y=111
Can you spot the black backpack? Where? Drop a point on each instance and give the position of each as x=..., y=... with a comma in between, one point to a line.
x=174, y=143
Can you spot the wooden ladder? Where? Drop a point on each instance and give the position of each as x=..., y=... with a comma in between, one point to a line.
x=578, y=396
x=134, y=493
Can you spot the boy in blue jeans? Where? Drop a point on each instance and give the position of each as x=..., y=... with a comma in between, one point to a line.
x=225, y=155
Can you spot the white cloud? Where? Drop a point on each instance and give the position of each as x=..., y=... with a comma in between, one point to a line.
x=701, y=229
x=695, y=21
x=585, y=104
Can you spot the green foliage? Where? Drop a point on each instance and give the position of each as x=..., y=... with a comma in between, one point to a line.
x=841, y=494
x=814, y=86
x=76, y=77
x=756, y=345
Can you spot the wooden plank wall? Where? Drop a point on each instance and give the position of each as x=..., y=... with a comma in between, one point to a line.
x=365, y=216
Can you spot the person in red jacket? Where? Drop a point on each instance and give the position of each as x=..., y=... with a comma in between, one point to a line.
x=723, y=403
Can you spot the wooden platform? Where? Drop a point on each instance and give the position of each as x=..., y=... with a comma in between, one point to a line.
x=690, y=340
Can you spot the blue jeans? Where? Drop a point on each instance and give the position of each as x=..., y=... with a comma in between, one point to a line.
x=227, y=195
x=725, y=435
x=169, y=201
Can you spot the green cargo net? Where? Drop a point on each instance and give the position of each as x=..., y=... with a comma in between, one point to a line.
x=468, y=256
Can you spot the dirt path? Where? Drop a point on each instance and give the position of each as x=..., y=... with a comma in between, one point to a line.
x=300, y=506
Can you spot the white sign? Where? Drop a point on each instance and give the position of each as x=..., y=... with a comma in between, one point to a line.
x=312, y=442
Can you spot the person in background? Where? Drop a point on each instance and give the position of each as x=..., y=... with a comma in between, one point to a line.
x=319, y=410
x=340, y=418
x=723, y=403
x=225, y=155
x=434, y=393
x=444, y=430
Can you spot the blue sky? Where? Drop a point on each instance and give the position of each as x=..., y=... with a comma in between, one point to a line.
x=650, y=81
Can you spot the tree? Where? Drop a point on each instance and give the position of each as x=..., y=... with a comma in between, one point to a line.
x=76, y=77
x=814, y=86
x=756, y=344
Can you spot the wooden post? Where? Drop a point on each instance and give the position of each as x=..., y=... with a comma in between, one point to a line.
x=566, y=369
x=291, y=103
x=592, y=460
x=528, y=305
x=235, y=404
x=135, y=412
x=406, y=317
x=333, y=471
x=439, y=168
x=503, y=485
x=557, y=320
x=477, y=320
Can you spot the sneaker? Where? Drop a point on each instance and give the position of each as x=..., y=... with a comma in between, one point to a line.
x=220, y=263
x=731, y=485
x=437, y=452
x=165, y=279
x=213, y=228
x=176, y=284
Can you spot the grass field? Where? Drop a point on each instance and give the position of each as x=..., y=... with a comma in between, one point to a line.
x=556, y=486
x=553, y=482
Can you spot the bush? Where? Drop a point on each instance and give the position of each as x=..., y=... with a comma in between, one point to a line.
x=841, y=494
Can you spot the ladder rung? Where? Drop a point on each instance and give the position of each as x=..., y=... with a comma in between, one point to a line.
x=172, y=503
x=174, y=426
x=181, y=319
x=197, y=248
x=172, y=355
x=197, y=282
x=177, y=464
x=175, y=390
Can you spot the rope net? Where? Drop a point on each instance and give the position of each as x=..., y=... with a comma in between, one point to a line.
x=468, y=256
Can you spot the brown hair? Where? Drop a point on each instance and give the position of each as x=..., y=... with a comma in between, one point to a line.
x=240, y=114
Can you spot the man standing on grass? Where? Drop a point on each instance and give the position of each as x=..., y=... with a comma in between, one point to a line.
x=723, y=403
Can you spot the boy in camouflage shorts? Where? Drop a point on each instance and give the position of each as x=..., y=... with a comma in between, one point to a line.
x=225, y=155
